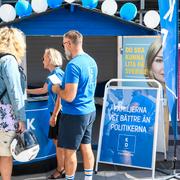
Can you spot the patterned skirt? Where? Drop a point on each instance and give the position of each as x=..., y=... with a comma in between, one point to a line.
x=8, y=121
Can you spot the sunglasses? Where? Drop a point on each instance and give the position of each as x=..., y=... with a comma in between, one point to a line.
x=64, y=43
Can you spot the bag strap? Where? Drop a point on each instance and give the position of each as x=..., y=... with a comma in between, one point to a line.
x=4, y=54
x=1, y=96
x=4, y=92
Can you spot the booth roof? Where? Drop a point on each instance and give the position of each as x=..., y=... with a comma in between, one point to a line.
x=90, y=22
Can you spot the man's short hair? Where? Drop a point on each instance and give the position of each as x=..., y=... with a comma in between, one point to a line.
x=75, y=36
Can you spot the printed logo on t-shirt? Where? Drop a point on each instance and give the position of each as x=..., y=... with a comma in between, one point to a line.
x=92, y=78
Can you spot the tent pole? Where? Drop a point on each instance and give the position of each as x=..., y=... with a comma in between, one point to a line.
x=142, y=7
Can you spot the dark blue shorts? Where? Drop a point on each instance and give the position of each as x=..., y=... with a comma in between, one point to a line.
x=75, y=130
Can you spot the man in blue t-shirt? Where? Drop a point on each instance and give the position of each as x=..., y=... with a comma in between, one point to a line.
x=78, y=112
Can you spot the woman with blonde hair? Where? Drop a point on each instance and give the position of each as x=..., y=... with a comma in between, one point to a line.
x=154, y=62
x=12, y=86
x=52, y=61
x=155, y=70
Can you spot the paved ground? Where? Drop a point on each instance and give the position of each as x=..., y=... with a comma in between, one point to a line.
x=102, y=175
x=112, y=172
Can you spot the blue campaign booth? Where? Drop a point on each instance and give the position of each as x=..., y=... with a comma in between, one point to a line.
x=37, y=120
x=37, y=117
x=56, y=22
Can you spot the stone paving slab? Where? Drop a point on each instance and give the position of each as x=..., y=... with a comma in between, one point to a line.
x=103, y=175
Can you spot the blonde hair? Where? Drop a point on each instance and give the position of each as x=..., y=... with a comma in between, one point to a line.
x=153, y=50
x=12, y=41
x=54, y=56
x=75, y=36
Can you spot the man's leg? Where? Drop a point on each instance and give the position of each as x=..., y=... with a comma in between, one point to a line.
x=60, y=158
x=70, y=163
x=88, y=160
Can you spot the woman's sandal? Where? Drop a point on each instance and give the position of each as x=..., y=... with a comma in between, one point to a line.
x=61, y=175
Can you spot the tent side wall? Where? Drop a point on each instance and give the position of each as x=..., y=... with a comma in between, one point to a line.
x=103, y=49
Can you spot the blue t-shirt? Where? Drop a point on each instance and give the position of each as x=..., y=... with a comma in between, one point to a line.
x=52, y=96
x=81, y=70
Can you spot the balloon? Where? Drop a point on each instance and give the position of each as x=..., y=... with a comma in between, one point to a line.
x=29, y=10
x=23, y=8
x=7, y=12
x=69, y=1
x=39, y=5
x=128, y=11
x=90, y=3
x=54, y=3
x=151, y=19
x=109, y=7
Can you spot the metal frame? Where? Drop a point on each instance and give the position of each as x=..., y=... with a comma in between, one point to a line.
x=159, y=90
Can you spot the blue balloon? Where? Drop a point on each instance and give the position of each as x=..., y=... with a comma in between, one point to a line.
x=91, y=4
x=23, y=8
x=128, y=11
x=54, y=3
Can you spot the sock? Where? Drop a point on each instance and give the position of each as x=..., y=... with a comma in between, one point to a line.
x=69, y=177
x=88, y=174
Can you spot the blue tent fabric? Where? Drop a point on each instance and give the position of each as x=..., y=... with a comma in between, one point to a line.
x=89, y=22
x=169, y=25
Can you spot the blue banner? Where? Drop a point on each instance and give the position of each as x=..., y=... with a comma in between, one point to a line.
x=37, y=118
x=169, y=29
x=128, y=127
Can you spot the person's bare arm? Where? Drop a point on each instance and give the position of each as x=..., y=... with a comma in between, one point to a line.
x=42, y=90
x=57, y=108
x=69, y=93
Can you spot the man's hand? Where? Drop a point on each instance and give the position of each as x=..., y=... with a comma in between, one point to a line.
x=55, y=88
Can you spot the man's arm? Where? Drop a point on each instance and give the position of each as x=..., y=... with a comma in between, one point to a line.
x=69, y=93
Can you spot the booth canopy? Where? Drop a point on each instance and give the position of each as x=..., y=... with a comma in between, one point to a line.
x=88, y=22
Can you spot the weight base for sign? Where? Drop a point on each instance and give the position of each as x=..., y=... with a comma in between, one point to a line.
x=170, y=175
x=174, y=176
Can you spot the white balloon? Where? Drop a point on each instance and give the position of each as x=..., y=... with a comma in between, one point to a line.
x=69, y=1
x=39, y=6
x=7, y=12
x=151, y=19
x=109, y=7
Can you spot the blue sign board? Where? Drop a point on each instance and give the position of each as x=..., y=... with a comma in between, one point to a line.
x=128, y=123
x=169, y=29
x=37, y=118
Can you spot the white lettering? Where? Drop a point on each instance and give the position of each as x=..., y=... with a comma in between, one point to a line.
x=164, y=32
x=170, y=11
x=30, y=124
x=129, y=128
x=130, y=118
x=132, y=109
x=146, y=119
x=113, y=117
